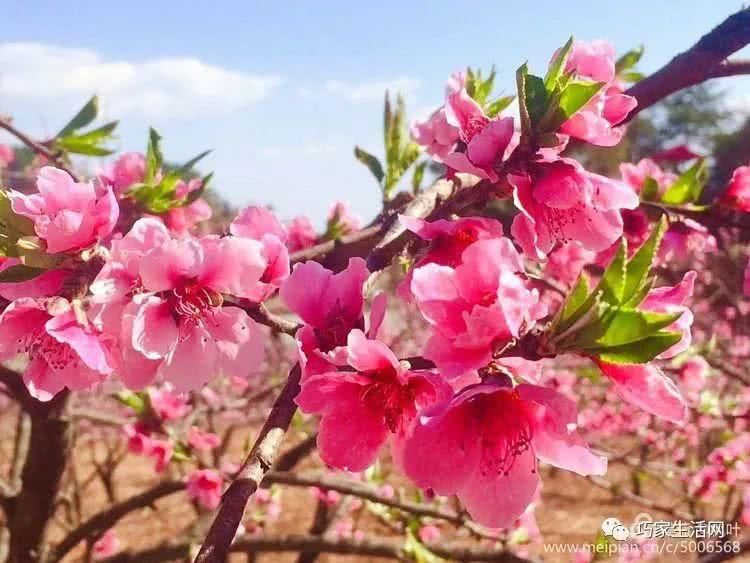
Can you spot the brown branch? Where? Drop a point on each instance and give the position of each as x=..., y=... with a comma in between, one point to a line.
x=258, y=463
x=320, y=251
x=103, y=521
x=364, y=491
x=38, y=148
x=703, y=61
x=386, y=548
x=260, y=314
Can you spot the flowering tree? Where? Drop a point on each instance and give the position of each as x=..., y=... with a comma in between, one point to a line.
x=521, y=309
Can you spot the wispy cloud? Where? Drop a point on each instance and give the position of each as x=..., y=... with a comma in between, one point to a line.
x=358, y=92
x=159, y=87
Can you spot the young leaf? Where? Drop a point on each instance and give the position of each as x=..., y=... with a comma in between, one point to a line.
x=154, y=157
x=372, y=163
x=641, y=351
x=612, y=284
x=190, y=164
x=575, y=299
x=557, y=66
x=418, y=176
x=617, y=327
x=77, y=145
x=640, y=264
x=649, y=190
x=628, y=60
x=496, y=106
x=573, y=97
x=85, y=115
x=521, y=75
x=688, y=187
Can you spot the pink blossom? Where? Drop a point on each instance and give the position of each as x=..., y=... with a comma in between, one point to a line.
x=119, y=280
x=561, y=202
x=594, y=60
x=486, y=139
x=301, y=234
x=204, y=487
x=106, y=546
x=330, y=306
x=62, y=351
x=678, y=153
x=127, y=170
x=475, y=308
x=448, y=240
x=566, y=262
x=360, y=408
x=635, y=175
x=181, y=219
x=6, y=155
x=258, y=223
x=595, y=122
x=483, y=446
x=341, y=220
x=67, y=215
x=180, y=319
x=167, y=405
x=327, y=497
x=737, y=192
x=746, y=280
x=161, y=451
x=429, y=533
x=202, y=441
x=646, y=386
x=693, y=375
x=673, y=300
x=436, y=135
x=48, y=284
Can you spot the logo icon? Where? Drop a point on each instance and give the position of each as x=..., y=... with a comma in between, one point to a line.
x=613, y=528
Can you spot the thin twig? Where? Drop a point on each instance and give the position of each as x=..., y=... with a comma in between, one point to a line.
x=38, y=148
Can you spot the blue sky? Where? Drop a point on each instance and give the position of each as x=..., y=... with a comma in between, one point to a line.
x=283, y=90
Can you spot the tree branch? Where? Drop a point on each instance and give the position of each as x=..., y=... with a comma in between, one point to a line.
x=390, y=549
x=703, y=61
x=259, y=462
x=38, y=148
x=103, y=521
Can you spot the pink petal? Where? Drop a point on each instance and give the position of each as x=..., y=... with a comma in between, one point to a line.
x=155, y=330
x=165, y=267
x=233, y=265
x=645, y=386
x=495, y=499
x=369, y=355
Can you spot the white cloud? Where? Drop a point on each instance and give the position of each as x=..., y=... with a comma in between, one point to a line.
x=158, y=87
x=372, y=91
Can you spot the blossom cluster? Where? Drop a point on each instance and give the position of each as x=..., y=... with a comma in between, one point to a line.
x=114, y=280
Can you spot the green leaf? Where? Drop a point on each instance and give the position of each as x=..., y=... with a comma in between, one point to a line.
x=557, y=65
x=631, y=76
x=20, y=273
x=154, y=157
x=688, y=187
x=85, y=115
x=190, y=164
x=649, y=190
x=387, y=119
x=496, y=106
x=523, y=110
x=575, y=298
x=76, y=145
x=640, y=264
x=573, y=97
x=372, y=163
x=418, y=176
x=612, y=284
x=135, y=401
x=617, y=327
x=536, y=99
x=628, y=60
x=641, y=351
